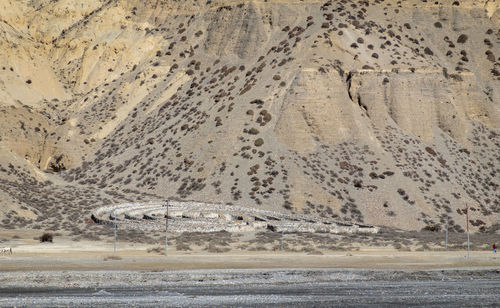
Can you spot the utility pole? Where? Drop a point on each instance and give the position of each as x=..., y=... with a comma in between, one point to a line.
x=468, y=235
x=166, y=230
x=282, y=239
x=446, y=241
x=116, y=229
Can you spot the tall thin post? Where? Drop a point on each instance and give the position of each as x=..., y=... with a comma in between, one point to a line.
x=468, y=245
x=114, y=248
x=446, y=241
x=468, y=236
x=282, y=239
x=166, y=230
x=116, y=229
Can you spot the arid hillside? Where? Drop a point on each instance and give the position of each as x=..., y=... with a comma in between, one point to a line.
x=371, y=111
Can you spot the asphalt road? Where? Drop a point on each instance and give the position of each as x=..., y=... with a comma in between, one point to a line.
x=467, y=292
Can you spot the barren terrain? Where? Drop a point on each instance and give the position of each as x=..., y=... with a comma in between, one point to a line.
x=66, y=275
x=248, y=269
x=385, y=250
x=227, y=288
x=382, y=113
x=334, y=139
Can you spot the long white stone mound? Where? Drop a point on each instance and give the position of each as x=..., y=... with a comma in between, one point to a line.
x=207, y=217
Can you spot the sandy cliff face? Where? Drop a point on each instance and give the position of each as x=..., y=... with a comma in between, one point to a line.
x=380, y=112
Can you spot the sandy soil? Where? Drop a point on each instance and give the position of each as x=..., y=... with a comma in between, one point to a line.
x=88, y=274
x=85, y=255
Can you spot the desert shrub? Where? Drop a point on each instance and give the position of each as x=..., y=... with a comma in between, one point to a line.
x=430, y=151
x=437, y=24
x=257, y=102
x=462, y=39
x=490, y=56
x=253, y=131
x=464, y=151
x=442, y=161
x=46, y=237
x=287, y=205
x=456, y=77
x=325, y=25
x=375, y=55
x=113, y=258
x=432, y=228
x=266, y=116
x=428, y=51
x=259, y=142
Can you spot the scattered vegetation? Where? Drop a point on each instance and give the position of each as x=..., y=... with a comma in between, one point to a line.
x=46, y=238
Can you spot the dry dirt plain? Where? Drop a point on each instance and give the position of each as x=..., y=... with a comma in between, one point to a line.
x=241, y=251
x=68, y=273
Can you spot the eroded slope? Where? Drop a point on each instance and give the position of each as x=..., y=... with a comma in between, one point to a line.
x=380, y=112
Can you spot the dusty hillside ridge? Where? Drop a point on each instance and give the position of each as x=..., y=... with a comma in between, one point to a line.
x=378, y=112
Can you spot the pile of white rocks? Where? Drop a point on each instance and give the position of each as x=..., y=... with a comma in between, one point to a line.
x=209, y=217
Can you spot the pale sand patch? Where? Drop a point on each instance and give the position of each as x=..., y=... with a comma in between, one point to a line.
x=86, y=255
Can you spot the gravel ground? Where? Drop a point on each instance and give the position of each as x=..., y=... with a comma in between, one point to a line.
x=286, y=287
